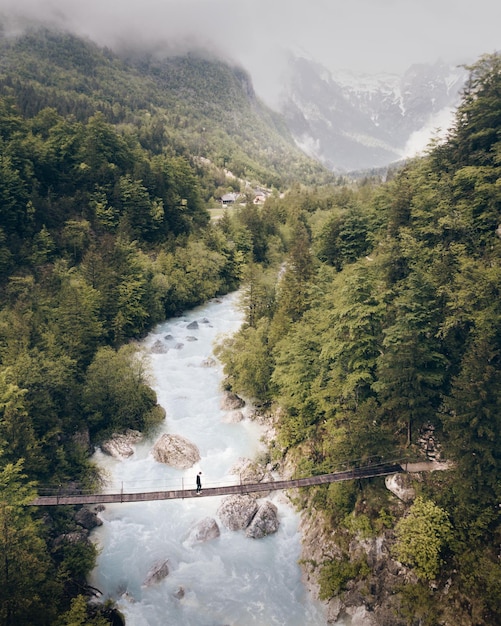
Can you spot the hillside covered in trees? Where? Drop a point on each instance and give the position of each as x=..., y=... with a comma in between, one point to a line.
x=382, y=321
x=104, y=231
x=384, y=327
x=193, y=105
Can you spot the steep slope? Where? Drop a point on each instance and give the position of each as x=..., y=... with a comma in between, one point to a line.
x=356, y=122
x=203, y=106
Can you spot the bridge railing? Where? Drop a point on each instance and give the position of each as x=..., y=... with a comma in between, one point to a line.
x=188, y=483
x=140, y=486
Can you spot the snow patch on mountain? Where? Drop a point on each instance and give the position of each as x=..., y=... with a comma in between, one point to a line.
x=359, y=121
x=436, y=128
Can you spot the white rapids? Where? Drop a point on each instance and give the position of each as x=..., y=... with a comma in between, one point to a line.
x=231, y=580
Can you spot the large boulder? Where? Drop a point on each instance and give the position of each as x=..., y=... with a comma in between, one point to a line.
x=236, y=512
x=156, y=573
x=265, y=521
x=176, y=451
x=231, y=401
x=206, y=530
x=87, y=519
x=120, y=445
x=399, y=485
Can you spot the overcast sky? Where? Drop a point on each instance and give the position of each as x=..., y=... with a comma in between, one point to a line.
x=363, y=35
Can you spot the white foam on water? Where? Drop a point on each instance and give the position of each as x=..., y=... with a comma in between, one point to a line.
x=232, y=580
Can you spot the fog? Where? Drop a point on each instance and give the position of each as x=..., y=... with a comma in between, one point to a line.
x=368, y=36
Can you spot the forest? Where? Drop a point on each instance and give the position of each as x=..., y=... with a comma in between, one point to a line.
x=384, y=324
x=372, y=312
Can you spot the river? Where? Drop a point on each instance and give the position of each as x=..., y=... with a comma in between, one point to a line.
x=231, y=580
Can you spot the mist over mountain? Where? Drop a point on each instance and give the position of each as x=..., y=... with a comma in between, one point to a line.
x=350, y=121
x=345, y=120
x=198, y=105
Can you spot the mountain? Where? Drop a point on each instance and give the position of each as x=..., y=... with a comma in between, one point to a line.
x=202, y=106
x=351, y=122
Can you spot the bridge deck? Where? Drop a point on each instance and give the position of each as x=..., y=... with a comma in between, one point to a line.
x=105, y=498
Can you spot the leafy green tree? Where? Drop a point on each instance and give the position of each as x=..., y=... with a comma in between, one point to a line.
x=351, y=327
x=17, y=436
x=116, y=395
x=136, y=208
x=191, y=275
x=78, y=615
x=296, y=368
x=11, y=121
x=293, y=285
x=13, y=200
x=344, y=239
x=43, y=247
x=248, y=361
x=411, y=368
x=472, y=425
x=102, y=153
x=25, y=567
x=175, y=183
x=75, y=318
x=75, y=237
x=250, y=217
x=422, y=536
x=475, y=135
x=51, y=399
x=6, y=257
x=258, y=293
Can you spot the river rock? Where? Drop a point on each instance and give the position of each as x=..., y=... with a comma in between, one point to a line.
x=176, y=451
x=233, y=417
x=120, y=445
x=157, y=572
x=231, y=401
x=192, y=325
x=399, y=485
x=87, y=519
x=236, y=512
x=159, y=347
x=209, y=362
x=265, y=521
x=205, y=530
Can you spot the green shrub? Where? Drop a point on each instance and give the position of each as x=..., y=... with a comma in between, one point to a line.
x=334, y=576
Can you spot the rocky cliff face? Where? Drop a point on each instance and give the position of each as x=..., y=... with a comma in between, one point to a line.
x=351, y=122
x=368, y=602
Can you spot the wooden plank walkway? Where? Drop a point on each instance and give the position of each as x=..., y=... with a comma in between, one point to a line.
x=245, y=488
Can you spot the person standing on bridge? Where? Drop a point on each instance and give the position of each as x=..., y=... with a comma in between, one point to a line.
x=199, y=482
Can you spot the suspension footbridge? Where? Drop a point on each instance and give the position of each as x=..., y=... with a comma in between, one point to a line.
x=63, y=496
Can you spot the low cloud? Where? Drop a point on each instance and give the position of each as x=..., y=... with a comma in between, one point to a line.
x=362, y=35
